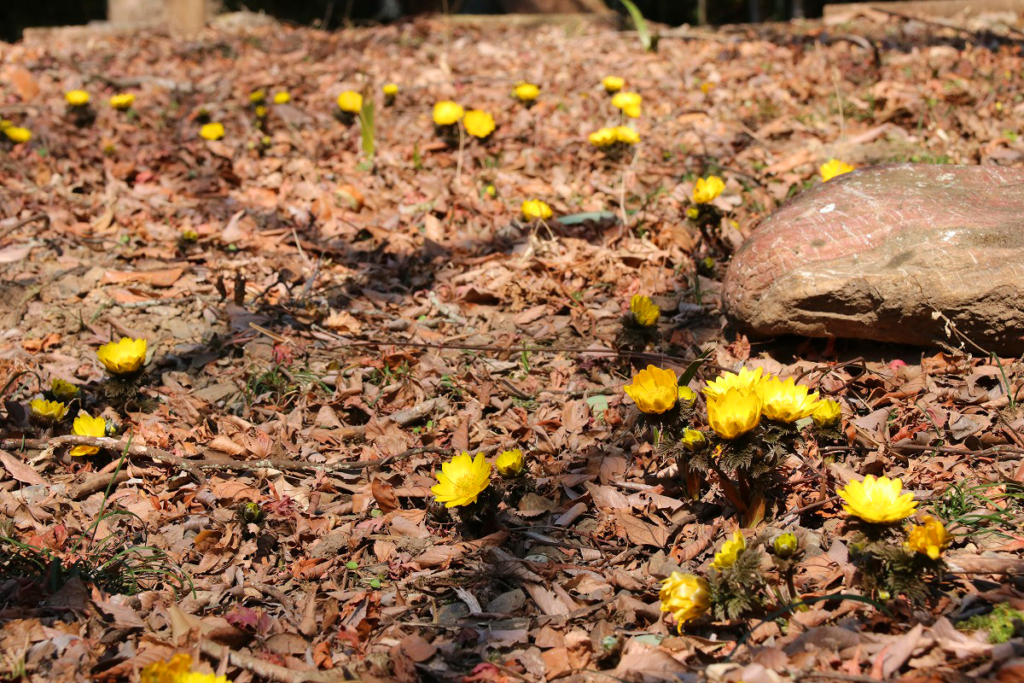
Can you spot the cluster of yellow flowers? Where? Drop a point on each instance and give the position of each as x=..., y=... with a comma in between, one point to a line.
x=880, y=500
x=464, y=478
x=177, y=669
x=123, y=358
x=628, y=103
x=736, y=402
x=606, y=137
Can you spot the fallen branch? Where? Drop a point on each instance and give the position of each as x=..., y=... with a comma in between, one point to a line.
x=265, y=669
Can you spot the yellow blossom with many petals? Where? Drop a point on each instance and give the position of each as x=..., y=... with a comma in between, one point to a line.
x=645, y=311
x=17, y=134
x=605, y=137
x=613, y=83
x=447, y=113
x=212, y=131
x=654, y=390
x=694, y=440
x=626, y=135
x=746, y=379
x=878, y=501
x=827, y=413
x=350, y=102
x=786, y=545
x=461, y=480
x=88, y=426
x=390, y=89
x=706, y=190
x=629, y=103
x=123, y=357
x=479, y=124
x=685, y=596
x=177, y=669
x=76, y=98
x=734, y=413
x=122, y=101
x=929, y=538
x=527, y=92
x=257, y=96
x=535, y=209
x=510, y=463
x=687, y=396
x=731, y=549
x=63, y=391
x=283, y=97
x=786, y=401
x=47, y=411
x=833, y=168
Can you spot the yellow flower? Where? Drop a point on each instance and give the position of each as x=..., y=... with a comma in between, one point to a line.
x=123, y=357
x=785, y=545
x=122, y=101
x=534, y=209
x=605, y=137
x=705, y=191
x=693, y=212
x=747, y=379
x=447, y=113
x=177, y=670
x=827, y=413
x=644, y=310
x=196, y=677
x=261, y=111
x=189, y=235
x=391, y=89
x=283, y=97
x=877, y=500
x=88, y=426
x=687, y=396
x=350, y=101
x=479, y=124
x=786, y=401
x=654, y=390
x=734, y=413
x=527, y=92
x=169, y=671
x=63, y=391
x=706, y=87
x=462, y=479
x=17, y=134
x=627, y=135
x=833, y=168
x=686, y=596
x=257, y=96
x=693, y=440
x=77, y=98
x=47, y=411
x=629, y=103
x=613, y=83
x=929, y=538
x=510, y=463
x=731, y=549
x=212, y=131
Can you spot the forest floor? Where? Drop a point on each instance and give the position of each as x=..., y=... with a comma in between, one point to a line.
x=340, y=323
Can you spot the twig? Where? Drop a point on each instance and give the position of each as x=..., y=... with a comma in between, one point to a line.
x=25, y=221
x=265, y=669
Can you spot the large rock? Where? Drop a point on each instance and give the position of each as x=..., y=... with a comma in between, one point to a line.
x=878, y=253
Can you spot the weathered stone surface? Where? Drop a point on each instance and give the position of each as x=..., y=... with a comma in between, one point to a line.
x=875, y=253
